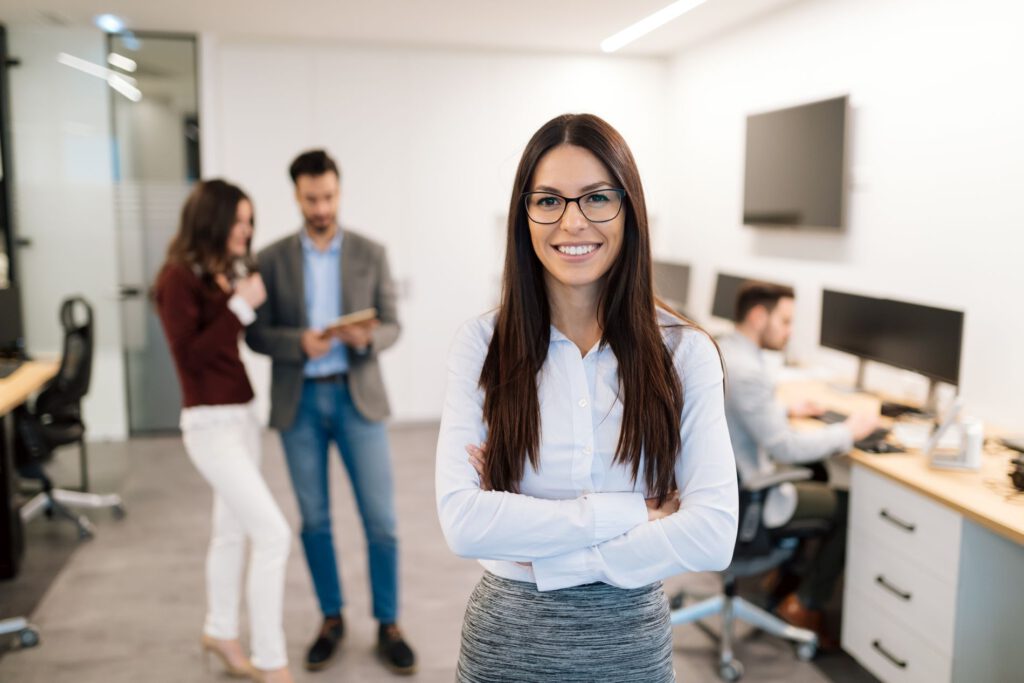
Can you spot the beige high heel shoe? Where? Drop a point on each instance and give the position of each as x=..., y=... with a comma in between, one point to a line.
x=212, y=646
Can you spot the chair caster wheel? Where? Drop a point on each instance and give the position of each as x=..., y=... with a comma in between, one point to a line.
x=731, y=671
x=119, y=512
x=805, y=652
x=28, y=637
x=677, y=600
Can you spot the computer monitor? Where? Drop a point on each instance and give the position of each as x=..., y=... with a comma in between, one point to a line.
x=12, y=338
x=727, y=289
x=672, y=283
x=922, y=339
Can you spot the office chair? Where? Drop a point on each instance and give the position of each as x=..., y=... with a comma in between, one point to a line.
x=758, y=550
x=55, y=419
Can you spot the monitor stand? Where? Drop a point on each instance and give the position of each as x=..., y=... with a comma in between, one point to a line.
x=858, y=385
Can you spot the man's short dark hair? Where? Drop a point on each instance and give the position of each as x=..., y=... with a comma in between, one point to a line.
x=315, y=162
x=753, y=294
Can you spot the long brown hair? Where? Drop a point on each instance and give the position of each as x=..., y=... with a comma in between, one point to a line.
x=649, y=386
x=206, y=222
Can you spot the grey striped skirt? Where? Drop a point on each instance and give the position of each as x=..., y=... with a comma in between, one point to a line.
x=513, y=632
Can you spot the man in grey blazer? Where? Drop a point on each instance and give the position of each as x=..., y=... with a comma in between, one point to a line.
x=327, y=386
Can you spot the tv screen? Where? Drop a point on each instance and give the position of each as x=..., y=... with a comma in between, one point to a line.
x=672, y=283
x=795, y=166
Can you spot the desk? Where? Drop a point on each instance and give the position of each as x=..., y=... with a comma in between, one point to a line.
x=935, y=562
x=14, y=390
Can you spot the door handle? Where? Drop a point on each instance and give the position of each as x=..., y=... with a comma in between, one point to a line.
x=129, y=292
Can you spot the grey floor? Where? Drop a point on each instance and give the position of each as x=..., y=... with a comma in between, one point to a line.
x=128, y=605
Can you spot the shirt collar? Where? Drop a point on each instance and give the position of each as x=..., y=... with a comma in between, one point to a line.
x=557, y=336
x=334, y=247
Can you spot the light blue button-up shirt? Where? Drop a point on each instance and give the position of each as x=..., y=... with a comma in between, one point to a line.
x=322, y=274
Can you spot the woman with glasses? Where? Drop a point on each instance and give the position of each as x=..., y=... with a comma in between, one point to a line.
x=583, y=453
x=205, y=296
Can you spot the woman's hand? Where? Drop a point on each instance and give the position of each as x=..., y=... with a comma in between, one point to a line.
x=476, y=459
x=252, y=290
x=669, y=507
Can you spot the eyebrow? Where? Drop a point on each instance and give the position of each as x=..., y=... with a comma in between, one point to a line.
x=584, y=190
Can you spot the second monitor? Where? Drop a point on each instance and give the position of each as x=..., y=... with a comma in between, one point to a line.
x=923, y=339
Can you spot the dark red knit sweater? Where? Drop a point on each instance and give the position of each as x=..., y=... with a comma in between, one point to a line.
x=203, y=335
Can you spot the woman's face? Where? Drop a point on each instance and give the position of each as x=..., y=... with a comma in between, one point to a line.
x=576, y=252
x=241, y=231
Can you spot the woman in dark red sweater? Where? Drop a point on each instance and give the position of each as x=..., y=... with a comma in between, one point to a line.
x=205, y=298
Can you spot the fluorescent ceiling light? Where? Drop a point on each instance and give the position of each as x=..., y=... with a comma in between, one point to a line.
x=119, y=82
x=109, y=23
x=121, y=85
x=122, y=62
x=648, y=24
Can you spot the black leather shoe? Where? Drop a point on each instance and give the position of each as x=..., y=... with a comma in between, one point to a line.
x=326, y=643
x=394, y=651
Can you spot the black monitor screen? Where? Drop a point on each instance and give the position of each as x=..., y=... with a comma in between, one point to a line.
x=11, y=335
x=672, y=283
x=921, y=339
x=727, y=289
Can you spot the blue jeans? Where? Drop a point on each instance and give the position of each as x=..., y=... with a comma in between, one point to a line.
x=326, y=413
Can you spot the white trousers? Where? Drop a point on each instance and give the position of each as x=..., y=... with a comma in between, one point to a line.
x=223, y=443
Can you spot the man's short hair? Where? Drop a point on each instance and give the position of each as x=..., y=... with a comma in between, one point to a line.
x=753, y=294
x=315, y=162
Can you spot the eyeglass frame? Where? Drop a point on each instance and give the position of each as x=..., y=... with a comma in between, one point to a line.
x=573, y=200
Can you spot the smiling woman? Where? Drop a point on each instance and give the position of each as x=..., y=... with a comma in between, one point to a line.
x=581, y=375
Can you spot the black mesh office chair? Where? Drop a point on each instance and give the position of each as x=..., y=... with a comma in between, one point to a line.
x=55, y=420
x=758, y=550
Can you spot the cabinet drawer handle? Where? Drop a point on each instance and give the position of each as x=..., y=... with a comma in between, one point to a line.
x=901, y=663
x=881, y=581
x=906, y=526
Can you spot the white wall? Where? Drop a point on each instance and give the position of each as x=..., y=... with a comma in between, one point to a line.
x=428, y=142
x=936, y=139
x=63, y=201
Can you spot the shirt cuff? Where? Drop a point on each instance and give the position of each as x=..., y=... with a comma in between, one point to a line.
x=242, y=310
x=565, y=571
x=844, y=439
x=615, y=513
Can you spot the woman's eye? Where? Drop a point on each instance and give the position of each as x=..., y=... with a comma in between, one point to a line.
x=548, y=202
x=597, y=198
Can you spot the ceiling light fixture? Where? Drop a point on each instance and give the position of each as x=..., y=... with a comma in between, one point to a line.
x=109, y=23
x=648, y=24
x=122, y=62
x=122, y=83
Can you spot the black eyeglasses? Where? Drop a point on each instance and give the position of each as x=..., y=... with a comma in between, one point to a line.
x=599, y=206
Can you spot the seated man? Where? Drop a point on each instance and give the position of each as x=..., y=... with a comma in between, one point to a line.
x=762, y=439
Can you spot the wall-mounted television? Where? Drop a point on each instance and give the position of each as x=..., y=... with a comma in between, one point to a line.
x=795, y=167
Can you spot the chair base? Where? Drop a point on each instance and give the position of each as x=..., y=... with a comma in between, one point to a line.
x=60, y=501
x=732, y=608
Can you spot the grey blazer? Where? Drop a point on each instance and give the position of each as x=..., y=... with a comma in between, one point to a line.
x=365, y=282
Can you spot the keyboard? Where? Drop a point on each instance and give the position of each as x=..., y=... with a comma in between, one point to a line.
x=831, y=417
x=9, y=366
x=875, y=443
x=891, y=409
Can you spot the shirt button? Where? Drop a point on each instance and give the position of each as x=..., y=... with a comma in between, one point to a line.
x=587, y=450
x=587, y=492
x=583, y=403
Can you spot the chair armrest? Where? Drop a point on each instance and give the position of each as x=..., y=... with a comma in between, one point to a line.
x=767, y=481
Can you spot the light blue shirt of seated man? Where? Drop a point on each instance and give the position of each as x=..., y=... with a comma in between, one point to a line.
x=322, y=274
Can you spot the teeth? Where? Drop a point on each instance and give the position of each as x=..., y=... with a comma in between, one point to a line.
x=577, y=251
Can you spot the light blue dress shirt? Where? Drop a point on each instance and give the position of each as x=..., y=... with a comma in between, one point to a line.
x=322, y=275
